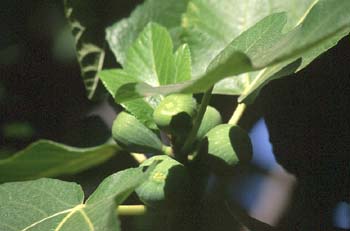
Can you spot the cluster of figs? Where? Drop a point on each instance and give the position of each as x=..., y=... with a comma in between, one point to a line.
x=219, y=146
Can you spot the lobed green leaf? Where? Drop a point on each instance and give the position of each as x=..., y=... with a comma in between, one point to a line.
x=46, y=158
x=113, y=79
x=210, y=27
x=151, y=60
x=266, y=46
x=123, y=34
x=48, y=204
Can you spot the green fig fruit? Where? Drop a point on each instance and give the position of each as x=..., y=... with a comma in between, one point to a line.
x=210, y=119
x=226, y=146
x=174, y=114
x=134, y=136
x=167, y=185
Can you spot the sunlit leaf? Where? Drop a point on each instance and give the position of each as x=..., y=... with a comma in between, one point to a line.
x=151, y=60
x=122, y=35
x=321, y=29
x=210, y=26
x=208, y=32
x=113, y=79
x=183, y=64
x=266, y=46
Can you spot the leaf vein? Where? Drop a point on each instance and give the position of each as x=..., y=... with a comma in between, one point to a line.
x=66, y=218
x=87, y=219
x=46, y=218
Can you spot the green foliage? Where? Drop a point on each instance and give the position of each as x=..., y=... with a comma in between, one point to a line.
x=167, y=184
x=210, y=27
x=151, y=59
x=49, y=204
x=147, y=62
x=325, y=24
x=49, y=159
x=168, y=50
x=112, y=80
x=267, y=47
x=122, y=35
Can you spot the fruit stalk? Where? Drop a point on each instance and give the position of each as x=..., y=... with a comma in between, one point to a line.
x=131, y=210
x=197, y=122
x=237, y=114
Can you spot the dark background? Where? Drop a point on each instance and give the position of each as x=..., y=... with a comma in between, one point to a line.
x=41, y=91
x=309, y=125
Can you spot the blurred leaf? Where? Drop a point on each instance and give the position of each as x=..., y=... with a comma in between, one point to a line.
x=122, y=35
x=49, y=204
x=89, y=40
x=64, y=46
x=264, y=45
x=18, y=130
x=49, y=159
x=6, y=152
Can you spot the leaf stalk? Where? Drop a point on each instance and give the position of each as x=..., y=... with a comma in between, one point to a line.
x=197, y=122
x=131, y=210
x=237, y=114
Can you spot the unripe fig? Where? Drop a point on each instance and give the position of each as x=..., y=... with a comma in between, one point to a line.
x=226, y=146
x=174, y=114
x=167, y=185
x=210, y=119
x=134, y=136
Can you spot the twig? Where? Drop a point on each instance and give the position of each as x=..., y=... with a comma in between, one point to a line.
x=198, y=120
x=237, y=114
x=131, y=210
